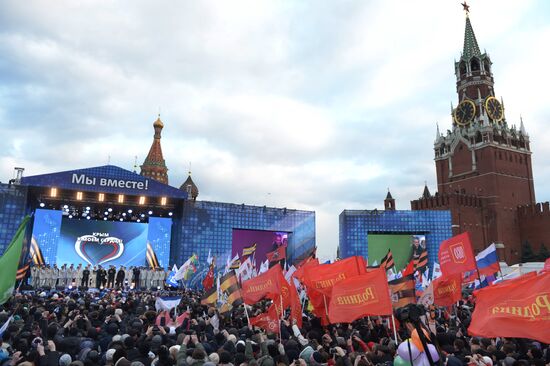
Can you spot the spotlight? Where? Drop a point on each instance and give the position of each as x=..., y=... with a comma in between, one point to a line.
x=105, y=213
x=70, y=216
x=42, y=204
x=138, y=220
x=124, y=214
x=104, y=219
x=88, y=208
x=170, y=214
x=150, y=212
x=110, y=209
x=129, y=211
x=65, y=207
x=142, y=215
x=120, y=220
x=87, y=217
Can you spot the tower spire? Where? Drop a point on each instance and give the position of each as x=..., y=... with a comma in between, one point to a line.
x=154, y=166
x=471, y=48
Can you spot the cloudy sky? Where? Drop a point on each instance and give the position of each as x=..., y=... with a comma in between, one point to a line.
x=318, y=105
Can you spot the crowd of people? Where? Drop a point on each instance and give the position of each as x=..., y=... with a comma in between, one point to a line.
x=98, y=277
x=122, y=328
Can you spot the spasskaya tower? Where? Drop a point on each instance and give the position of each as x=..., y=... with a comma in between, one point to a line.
x=483, y=161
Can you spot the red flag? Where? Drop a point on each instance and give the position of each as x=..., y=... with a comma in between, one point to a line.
x=268, y=321
x=546, y=265
x=322, y=278
x=289, y=297
x=447, y=290
x=517, y=308
x=359, y=296
x=208, y=281
x=409, y=270
x=456, y=256
x=277, y=255
x=300, y=271
x=265, y=285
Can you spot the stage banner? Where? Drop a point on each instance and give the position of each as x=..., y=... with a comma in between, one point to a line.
x=102, y=243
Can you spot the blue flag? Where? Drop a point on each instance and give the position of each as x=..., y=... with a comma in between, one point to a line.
x=170, y=279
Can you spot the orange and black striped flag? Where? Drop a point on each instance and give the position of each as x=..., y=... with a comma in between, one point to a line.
x=421, y=262
x=248, y=251
x=402, y=291
x=210, y=297
x=236, y=264
x=36, y=253
x=229, y=292
x=152, y=257
x=387, y=262
x=22, y=271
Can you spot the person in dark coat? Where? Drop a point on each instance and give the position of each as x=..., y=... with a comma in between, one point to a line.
x=111, y=273
x=120, y=277
x=85, y=277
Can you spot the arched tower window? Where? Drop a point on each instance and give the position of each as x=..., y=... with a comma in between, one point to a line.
x=478, y=138
x=474, y=65
x=462, y=68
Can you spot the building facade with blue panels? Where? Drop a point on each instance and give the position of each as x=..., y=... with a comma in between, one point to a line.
x=208, y=226
x=356, y=225
x=13, y=208
x=197, y=227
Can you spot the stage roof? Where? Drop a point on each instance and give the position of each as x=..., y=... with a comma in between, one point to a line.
x=106, y=179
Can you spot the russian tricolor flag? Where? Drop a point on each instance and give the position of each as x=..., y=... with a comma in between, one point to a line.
x=487, y=261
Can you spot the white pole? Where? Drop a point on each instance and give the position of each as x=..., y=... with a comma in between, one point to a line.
x=394, y=330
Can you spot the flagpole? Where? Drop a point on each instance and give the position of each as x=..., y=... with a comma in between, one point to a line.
x=247, y=316
x=394, y=330
x=326, y=307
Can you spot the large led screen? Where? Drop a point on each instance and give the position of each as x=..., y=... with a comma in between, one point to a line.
x=63, y=240
x=266, y=241
x=102, y=243
x=401, y=245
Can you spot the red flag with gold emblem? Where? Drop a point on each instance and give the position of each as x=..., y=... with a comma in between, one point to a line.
x=447, y=290
x=359, y=296
x=456, y=255
x=517, y=308
x=268, y=321
x=265, y=285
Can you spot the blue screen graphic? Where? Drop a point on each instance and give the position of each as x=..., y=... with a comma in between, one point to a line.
x=102, y=243
x=72, y=241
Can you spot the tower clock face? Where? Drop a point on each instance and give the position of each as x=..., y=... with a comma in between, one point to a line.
x=494, y=109
x=465, y=112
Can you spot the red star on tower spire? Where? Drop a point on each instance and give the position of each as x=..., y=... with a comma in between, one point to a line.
x=466, y=7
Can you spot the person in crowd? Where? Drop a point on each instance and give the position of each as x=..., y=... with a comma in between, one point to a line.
x=85, y=281
x=35, y=270
x=136, y=277
x=78, y=274
x=122, y=328
x=111, y=273
x=120, y=277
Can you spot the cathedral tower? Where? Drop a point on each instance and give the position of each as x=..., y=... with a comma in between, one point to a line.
x=154, y=166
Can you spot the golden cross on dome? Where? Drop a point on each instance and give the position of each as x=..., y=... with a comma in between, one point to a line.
x=466, y=7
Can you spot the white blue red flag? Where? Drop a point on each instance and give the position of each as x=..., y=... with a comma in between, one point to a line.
x=487, y=261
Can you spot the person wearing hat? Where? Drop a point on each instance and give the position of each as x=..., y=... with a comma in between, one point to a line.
x=198, y=356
